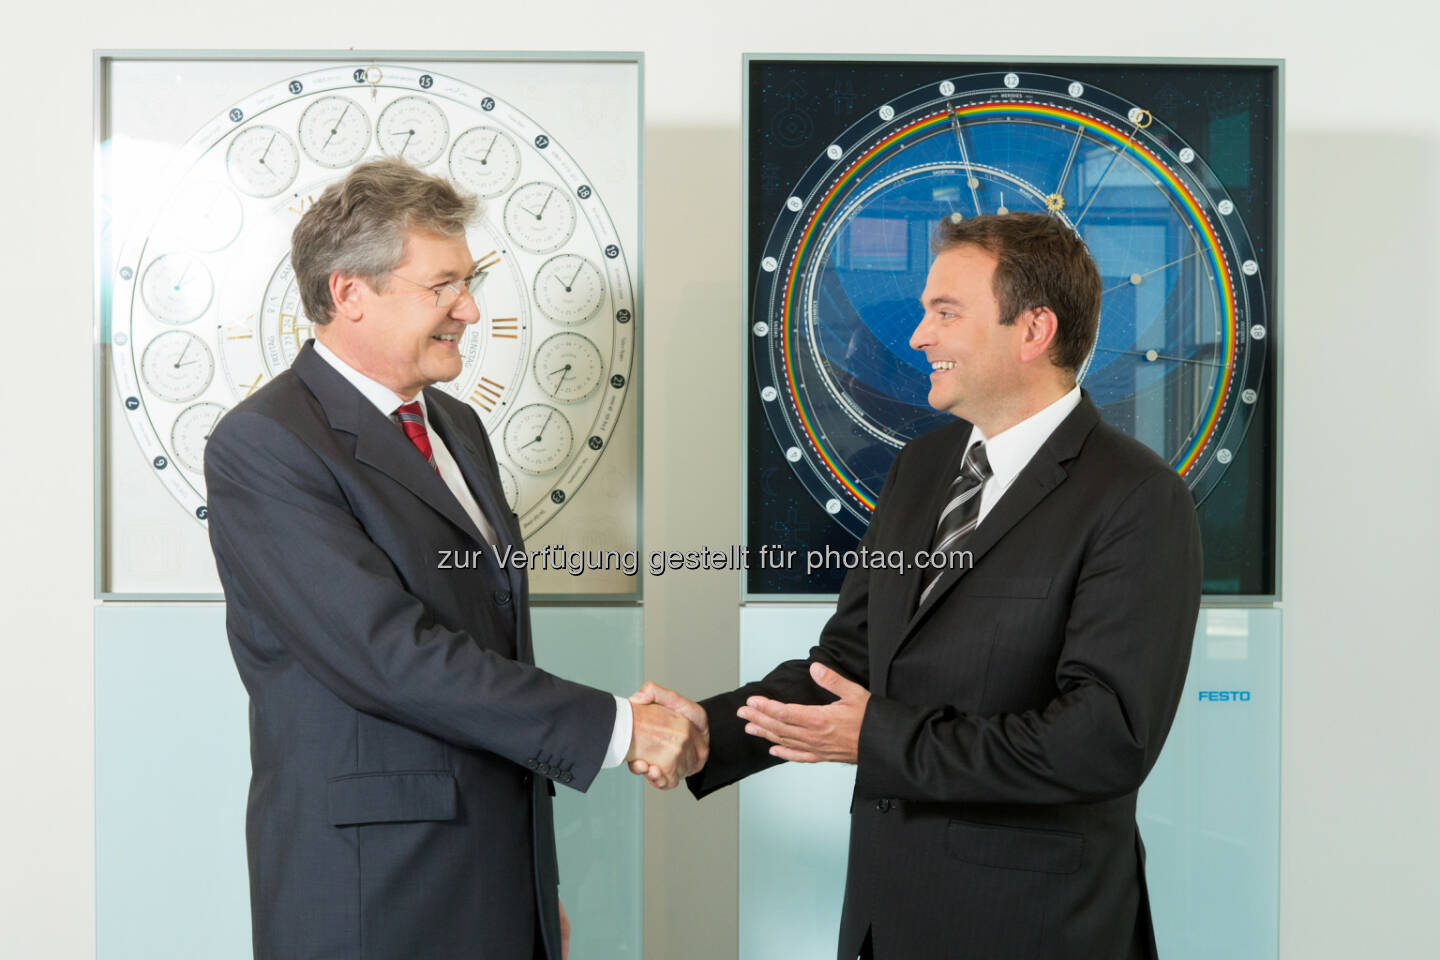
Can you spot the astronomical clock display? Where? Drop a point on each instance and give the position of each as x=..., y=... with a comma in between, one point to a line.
x=840, y=251
x=204, y=308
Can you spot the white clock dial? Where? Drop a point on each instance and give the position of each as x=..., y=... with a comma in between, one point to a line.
x=177, y=288
x=569, y=288
x=334, y=131
x=568, y=367
x=413, y=129
x=262, y=161
x=177, y=366
x=538, y=438
x=191, y=432
x=539, y=217
x=485, y=160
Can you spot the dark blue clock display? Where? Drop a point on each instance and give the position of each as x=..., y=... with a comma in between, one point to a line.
x=1181, y=357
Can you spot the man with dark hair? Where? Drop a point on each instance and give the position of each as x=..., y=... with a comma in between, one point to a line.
x=1005, y=695
x=404, y=746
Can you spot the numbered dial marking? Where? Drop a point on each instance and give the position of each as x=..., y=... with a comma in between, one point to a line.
x=177, y=366
x=538, y=438
x=414, y=129
x=262, y=161
x=191, y=432
x=540, y=217
x=334, y=131
x=177, y=288
x=568, y=367
x=569, y=288
x=485, y=160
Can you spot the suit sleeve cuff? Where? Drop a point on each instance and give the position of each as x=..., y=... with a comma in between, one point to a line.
x=620, y=734
x=886, y=734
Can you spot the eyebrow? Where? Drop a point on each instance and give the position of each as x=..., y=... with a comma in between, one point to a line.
x=941, y=302
x=446, y=276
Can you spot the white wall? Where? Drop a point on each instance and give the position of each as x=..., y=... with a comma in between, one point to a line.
x=1361, y=778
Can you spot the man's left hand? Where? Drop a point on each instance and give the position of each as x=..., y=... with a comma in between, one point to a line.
x=809, y=734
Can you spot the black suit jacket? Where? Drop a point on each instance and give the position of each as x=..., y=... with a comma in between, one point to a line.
x=395, y=713
x=1015, y=714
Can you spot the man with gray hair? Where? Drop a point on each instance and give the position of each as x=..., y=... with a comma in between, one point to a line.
x=404, y=746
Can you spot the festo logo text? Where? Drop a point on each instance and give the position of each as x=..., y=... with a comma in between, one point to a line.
x=1225, y=695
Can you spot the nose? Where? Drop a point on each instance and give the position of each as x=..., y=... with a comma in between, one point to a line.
x=921, y=338
x=465, y=309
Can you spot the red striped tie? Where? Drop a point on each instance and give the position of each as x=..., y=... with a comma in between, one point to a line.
x=412, y=421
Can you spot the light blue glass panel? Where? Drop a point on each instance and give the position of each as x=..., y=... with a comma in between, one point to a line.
x=599, y=832
x=794, y=818
x=1209, y=812
x=172, y=768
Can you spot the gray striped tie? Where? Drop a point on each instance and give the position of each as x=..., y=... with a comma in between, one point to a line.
x=960, y=515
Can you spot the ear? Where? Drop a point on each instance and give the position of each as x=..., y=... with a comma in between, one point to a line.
x=347, y=295
x=1038, y=328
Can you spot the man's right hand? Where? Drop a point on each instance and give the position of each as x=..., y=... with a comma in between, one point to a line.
x=672, y=702
x=665, y=746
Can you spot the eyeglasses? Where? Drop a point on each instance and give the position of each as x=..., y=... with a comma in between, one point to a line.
x=446, y=294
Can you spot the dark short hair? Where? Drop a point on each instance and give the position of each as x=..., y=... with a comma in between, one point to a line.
x=357, y=227
x=1040, y=262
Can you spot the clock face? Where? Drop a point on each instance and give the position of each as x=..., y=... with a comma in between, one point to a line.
x=206, y=310
x=1180, y=349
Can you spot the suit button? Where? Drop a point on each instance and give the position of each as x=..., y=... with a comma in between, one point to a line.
x=566, y=777
x=502, y=597
x=526, y=780
x=882, y=805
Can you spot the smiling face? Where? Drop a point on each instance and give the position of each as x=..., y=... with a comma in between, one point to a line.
x=976, y=361
x=397, y=335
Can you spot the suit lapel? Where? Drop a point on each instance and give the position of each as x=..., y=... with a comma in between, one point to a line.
x=1033, y=484
x=379, y=443
x=474, y=466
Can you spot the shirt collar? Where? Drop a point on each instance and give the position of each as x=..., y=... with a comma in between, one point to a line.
x=384, y=399
x=1010, y=450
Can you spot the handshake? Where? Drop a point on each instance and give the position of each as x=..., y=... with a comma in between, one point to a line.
x=671, y=737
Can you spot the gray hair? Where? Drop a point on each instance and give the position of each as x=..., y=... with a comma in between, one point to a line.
x=357, y=227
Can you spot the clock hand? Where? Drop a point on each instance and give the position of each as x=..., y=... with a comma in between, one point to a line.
x=1135, y=278
x=575, y=276
x=544, y=205
x=541, y=434
x=492, y=147
x=266, y=152
x=1135, y=127
x=563, y=371
x=1153, y=355
x=335, y=129
x=179, y=281
x=406, y=145
x=182, y=353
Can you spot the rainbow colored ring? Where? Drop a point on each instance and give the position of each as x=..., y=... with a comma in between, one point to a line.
x=1124, y=142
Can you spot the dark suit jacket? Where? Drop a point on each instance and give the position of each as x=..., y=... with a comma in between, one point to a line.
x=395, y=714
x=1015, y=714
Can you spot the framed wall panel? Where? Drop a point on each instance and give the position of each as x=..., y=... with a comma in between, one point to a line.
x=203, y=164
x=1168, y=170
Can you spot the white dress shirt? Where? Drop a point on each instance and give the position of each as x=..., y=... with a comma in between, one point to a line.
x=1010, y=450
x=386, y=401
